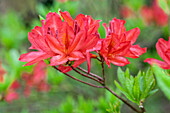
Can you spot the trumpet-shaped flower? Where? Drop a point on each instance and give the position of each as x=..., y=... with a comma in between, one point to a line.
x=118, y=43
x=37, y=79
x=163, y=49
x=63, y=41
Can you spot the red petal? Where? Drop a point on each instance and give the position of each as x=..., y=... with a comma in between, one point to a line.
x=79, y=19
x=67, y=18
x=88, y=61
x=75, y=55
x=135, y=51
x=122, y=49
x=117, y=26
x=119, y=61
x=33, y=57
x=163, y=65
x=54, y=44
x=94, y=27
x=107, y=61
x=36, y=38
x=53, y=21
x=59, y=59
x=66, y=36
x=64, y=69
x=162, y=47
x=77, y=42
x=132, y=35
x=90, y=42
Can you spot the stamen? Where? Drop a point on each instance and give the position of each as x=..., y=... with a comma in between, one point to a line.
x=76, y=27
x=56, y=33
x=49, y=30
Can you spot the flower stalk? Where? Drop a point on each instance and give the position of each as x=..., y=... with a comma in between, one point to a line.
x=101, y=82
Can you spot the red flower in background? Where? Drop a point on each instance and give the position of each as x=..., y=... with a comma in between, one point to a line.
x=11, y=92
x=154, y=13
x=37, y=79
x=70, y=40
x=118, y=43
x=126, y=12
x=2, y=72
x=163, y=49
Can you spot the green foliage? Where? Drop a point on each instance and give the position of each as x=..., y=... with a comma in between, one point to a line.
x=164, y=5
x=137, y=88
x=135, y=4
x=12, y=30
x=69, y=6
x=163, y=80
x=114, y=103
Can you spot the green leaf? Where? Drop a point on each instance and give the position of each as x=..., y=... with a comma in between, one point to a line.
x=124, y=92
x=162, y=80
x=136, y=90
x=141, y=83
x=127, y=74
x=41, y=18
x=129, y=87
x=121, y=76
x=147, y=90
x=147, y=78
x=152, y=92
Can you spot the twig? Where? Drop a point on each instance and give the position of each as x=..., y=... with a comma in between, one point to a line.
x=103, y=69
x=92, y=74
x=78, y=79
x=101, y=82
x=123, y=100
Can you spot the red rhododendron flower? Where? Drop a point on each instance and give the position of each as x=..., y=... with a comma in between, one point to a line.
x=37, y=79
x=11, y=92
x=118, y=43
x=2, y=72
x=126, y=12
x=163, y=49
x=65, y=41
x=154, y=13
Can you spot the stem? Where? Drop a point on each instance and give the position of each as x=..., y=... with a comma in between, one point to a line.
x=141, y=107
x=86, y=75
x=92, y=74
x=104, y=86
x=103, y=69
x=122, y=100
x=78, y=79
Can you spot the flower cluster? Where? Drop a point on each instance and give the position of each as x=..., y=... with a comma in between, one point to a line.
x=163, y=49
x=72, y=40
x=118, y=43
x=154, y=14
x=37, y=79
x=63, y=41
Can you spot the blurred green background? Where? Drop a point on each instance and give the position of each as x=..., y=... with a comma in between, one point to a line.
x=18, y=17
